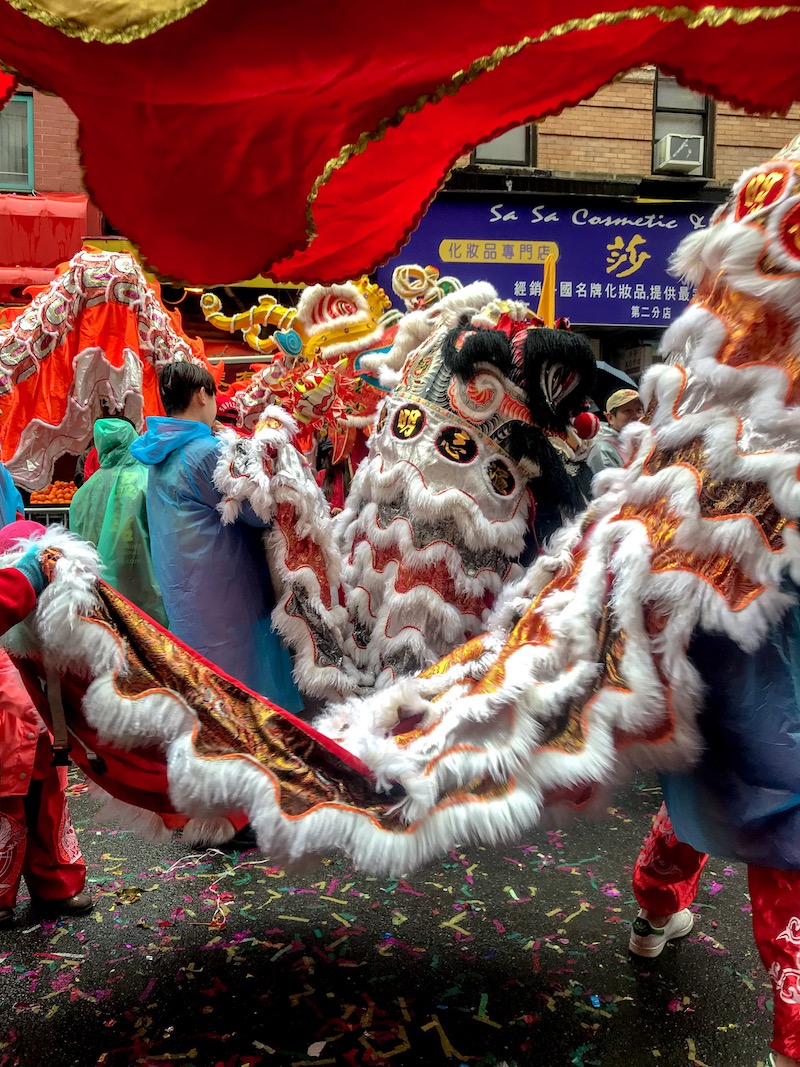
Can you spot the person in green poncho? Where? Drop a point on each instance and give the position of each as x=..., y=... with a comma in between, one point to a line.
x=110, y=511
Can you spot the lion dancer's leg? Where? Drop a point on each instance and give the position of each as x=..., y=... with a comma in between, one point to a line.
x=54, y=869
x=665, y=881
x=37, y=841
x=775, y=898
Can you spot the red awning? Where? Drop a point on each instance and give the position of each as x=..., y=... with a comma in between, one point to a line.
x=39, y=232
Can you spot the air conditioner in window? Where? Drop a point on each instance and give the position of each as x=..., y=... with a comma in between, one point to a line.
x=679, y=153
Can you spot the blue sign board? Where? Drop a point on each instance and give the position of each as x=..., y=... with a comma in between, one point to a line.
x=612, y=257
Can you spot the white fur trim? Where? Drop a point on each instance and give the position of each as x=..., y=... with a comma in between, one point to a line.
x=272, y=476
x=418, y=326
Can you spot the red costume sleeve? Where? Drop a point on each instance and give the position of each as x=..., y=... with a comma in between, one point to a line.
x=17, y=598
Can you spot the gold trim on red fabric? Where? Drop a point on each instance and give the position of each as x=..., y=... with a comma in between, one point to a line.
x=746, y=317
x=707, y=16
x=107, y=22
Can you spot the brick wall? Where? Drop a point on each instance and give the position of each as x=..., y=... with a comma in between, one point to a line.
x=609, y=134
x=745, y=140
x=612, y=133
x=56, y=167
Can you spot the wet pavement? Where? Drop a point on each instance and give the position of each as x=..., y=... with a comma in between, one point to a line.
x=515, y=956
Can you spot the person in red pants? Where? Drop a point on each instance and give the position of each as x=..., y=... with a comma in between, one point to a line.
x=37, y=838
x=741, y=802
x=665, y=881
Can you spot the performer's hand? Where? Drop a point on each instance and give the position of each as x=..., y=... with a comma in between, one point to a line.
x=30, y=566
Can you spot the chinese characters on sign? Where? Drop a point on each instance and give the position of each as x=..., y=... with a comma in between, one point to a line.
x=496, y=251
x=631, y=256
x=662, y=297
x=653, y=303
x=611, y=262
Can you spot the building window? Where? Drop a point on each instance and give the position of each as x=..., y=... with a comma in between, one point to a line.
x=514, y=148
x=682, y=130
x=16, y=143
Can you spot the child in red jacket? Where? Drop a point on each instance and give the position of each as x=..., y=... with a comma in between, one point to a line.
x=37, y=839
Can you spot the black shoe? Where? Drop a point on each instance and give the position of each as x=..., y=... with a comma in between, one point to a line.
x=242, y=840
x=80, y=904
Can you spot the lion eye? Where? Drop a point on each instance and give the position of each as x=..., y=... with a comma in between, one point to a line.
x=556, y=381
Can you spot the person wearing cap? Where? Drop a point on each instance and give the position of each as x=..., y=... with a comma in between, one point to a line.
x=622, y=407
x=37, y=838
x=110, y=511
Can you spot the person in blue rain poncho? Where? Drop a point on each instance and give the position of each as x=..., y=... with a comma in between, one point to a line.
x=214, y=578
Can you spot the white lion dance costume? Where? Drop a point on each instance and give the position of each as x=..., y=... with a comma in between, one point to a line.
x=578, y=672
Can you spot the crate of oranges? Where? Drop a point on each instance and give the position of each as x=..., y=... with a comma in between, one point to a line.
x=58, y=494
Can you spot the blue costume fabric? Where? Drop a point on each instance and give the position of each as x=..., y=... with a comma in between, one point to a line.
x=213, y=578
x=743, y=800
x=11, y=504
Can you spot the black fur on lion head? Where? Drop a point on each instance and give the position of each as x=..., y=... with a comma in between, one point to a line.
x=555, y=369
x=467, y=346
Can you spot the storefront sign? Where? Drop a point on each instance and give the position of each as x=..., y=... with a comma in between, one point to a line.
x=612, y=258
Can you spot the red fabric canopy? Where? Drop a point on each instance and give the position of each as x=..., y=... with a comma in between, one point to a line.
x=40, y=231
x=219, y=157
x=36, y=234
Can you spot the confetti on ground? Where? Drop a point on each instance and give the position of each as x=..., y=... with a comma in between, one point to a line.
x=486, y=958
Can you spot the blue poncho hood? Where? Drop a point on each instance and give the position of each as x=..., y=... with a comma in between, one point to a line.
x=164, y=435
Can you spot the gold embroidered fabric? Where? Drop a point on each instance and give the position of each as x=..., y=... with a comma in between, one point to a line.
x=466, y=653
x=747, y=317
x=107, y=21
x=723, y=498
x=232, y=723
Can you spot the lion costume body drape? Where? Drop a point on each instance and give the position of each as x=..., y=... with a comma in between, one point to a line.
x=583, y=671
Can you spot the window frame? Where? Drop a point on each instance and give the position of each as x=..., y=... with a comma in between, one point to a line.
x=708, y=114
x=26, y=186
x=531, y=150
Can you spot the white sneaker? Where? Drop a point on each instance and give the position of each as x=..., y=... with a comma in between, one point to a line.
x=649, y=941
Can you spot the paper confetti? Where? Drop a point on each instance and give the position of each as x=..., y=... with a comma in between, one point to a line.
x=487, y=958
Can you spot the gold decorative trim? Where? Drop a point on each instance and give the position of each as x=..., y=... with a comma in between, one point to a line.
x=104, y=21
x=707, y=16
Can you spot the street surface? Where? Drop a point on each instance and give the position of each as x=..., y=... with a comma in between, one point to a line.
x=515, y=956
